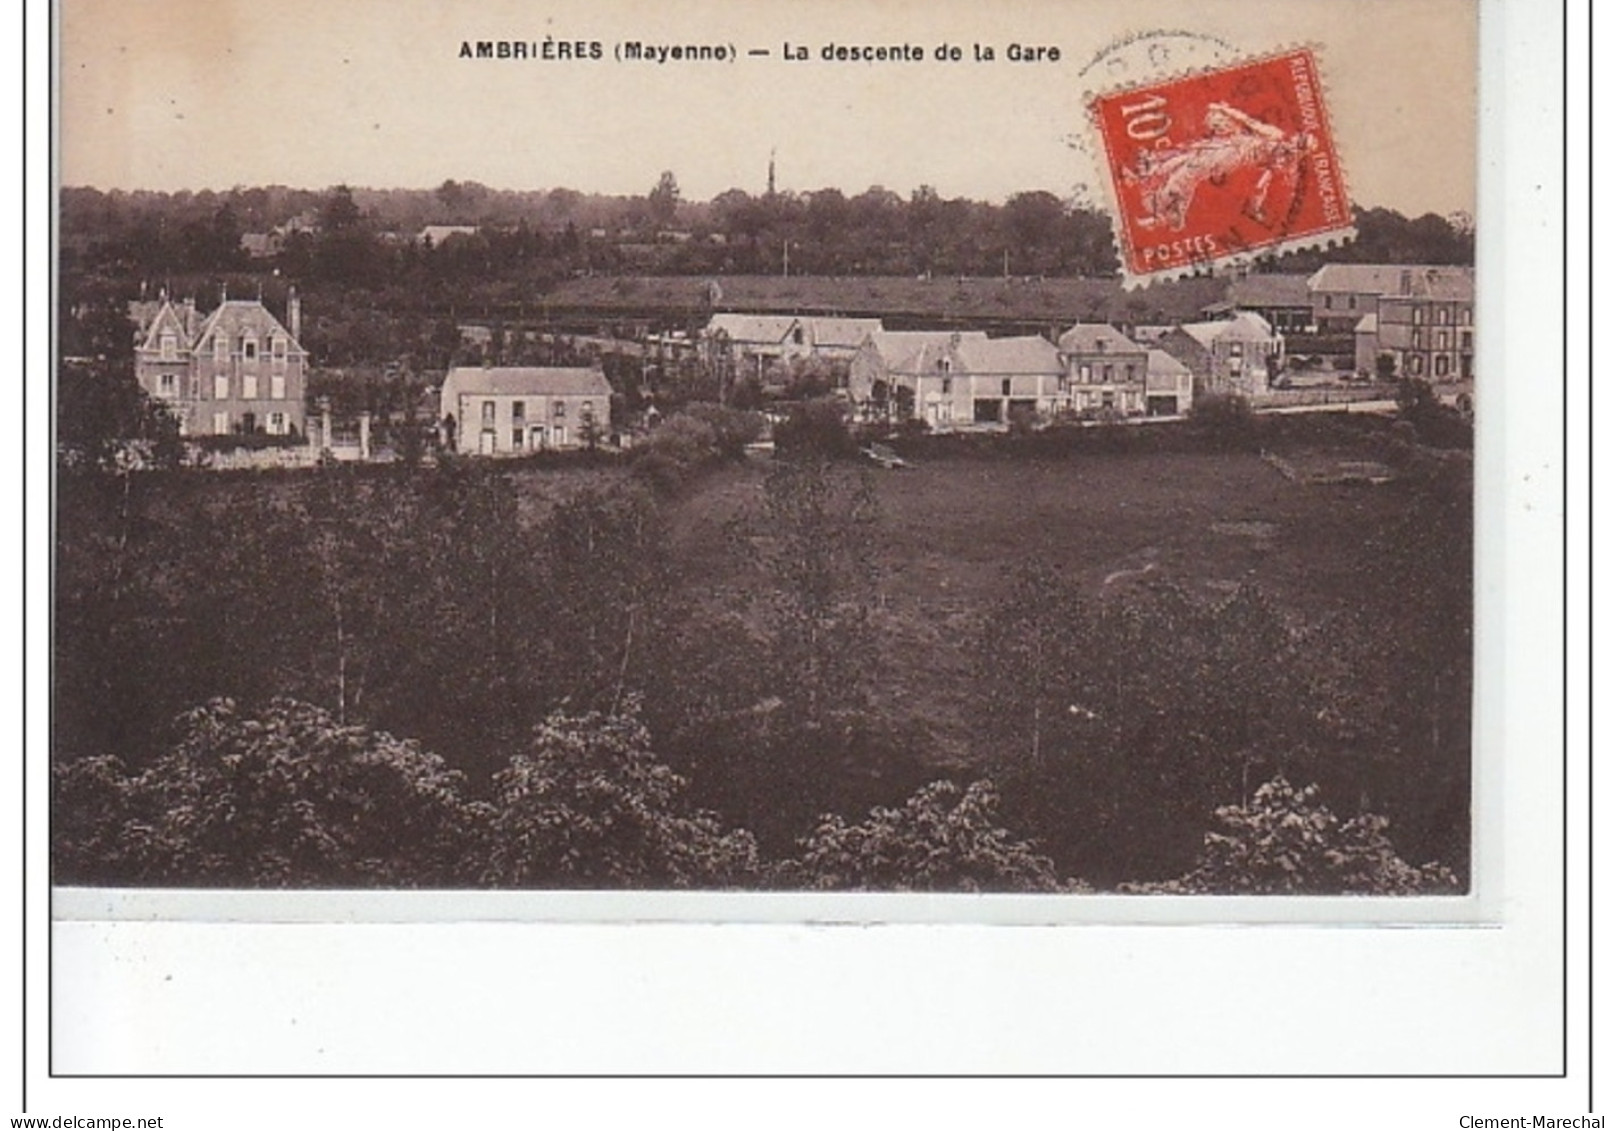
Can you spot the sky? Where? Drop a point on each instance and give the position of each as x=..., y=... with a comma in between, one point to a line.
x=193, y=94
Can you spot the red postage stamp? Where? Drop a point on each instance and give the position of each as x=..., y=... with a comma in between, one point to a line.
x=1221, y=166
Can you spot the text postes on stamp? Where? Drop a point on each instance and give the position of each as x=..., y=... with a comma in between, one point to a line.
x=1220, y=166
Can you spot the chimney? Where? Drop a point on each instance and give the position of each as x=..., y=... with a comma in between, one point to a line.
x=294, y=316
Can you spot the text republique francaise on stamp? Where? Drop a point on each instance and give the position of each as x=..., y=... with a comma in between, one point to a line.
x=1220, y=166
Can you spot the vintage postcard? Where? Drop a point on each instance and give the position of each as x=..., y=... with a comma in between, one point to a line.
x=776, y=464
x=615, y=450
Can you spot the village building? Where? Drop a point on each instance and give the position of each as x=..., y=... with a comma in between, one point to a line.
x=1230, y=355
x=1424, y=323
x=436, y=235
x=952, y=379
x=517, y=410
x=1343, y=292
x=1284, y=301
x=1168, y=385
x=1104, y=370
x=260, y=245
x=754, y=344
x=885, y=371
x=235, y=371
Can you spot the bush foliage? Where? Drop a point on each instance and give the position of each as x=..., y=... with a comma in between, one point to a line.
x=1283, y=842
x=941, y=839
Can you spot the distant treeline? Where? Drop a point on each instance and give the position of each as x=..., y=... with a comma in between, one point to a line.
x=364, y=235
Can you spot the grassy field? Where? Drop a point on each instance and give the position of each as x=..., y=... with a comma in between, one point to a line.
x=951, y=536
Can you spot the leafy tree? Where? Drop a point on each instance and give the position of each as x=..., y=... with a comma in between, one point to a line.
x=1224, y=415
x=104, y=420
x=820, y=528
x=1033, y=223
x=107, y=423
x=733, y=428
x=676, y=447
x=815, y=429
x=283, y=797
x=1284, y=843
x=1120, y=721
x=589, y=805
x=1434, y=422
x=604, y=587
x=939, y=840
x=664, y=200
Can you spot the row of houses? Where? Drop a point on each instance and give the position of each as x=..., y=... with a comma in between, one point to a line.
x=949, y=378
x=239, y=369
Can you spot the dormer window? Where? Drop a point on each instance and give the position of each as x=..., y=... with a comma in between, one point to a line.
x=1099, y=345
x=277, y=348
x=249, y=349
x=170, y=347
x=221, y=348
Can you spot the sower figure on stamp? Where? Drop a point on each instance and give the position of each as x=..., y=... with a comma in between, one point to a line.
x=1233, y=141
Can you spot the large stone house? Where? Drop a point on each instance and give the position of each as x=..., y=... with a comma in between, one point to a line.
x=1228, y=355
x=754, y=344
x=516, y=410
x=235, y=371
x=1425, y=324
x=1342, y=293
x=1104, y=370
x=885, y=371
x=949, y=379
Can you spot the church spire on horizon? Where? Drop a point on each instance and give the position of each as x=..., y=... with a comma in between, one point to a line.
x=771, y=174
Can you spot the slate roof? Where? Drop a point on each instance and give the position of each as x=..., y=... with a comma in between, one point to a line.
x=1450, y=283
x=519, y=380
x=169, y=319
x=1096, y=337
x=1007, y=356
x=770, y=328
x=1243, y=327
x=1162, y=364
x=847, y=333
x=1268, y=291
x=235, y=317
x=902, y=350
x=773, y=329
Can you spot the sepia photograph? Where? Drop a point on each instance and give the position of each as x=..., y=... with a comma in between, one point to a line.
x=857, y=538
x=833, y=450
